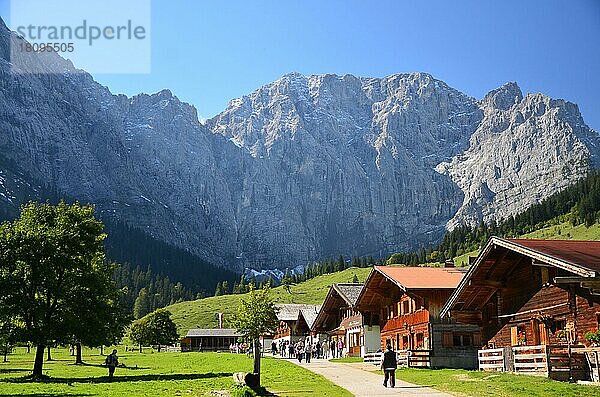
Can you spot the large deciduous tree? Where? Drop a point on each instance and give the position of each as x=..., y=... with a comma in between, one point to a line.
x=156, y=328
x=256, y=315
x=55, y=282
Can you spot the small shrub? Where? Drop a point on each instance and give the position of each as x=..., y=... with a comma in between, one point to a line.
x=242, y=391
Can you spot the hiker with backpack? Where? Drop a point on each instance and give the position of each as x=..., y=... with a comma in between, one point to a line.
x=111, y=362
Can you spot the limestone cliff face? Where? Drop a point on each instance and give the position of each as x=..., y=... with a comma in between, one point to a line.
x=524, y=149
x=331, y=164
x=304, y=168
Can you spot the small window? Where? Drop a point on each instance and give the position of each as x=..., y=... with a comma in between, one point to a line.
x=406, y=307
x=456, y=340
x=462, y=340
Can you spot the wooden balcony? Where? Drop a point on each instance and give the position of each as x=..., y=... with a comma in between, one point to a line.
x=419, y=317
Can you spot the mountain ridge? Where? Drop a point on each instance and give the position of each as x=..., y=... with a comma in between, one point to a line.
x=303, y=168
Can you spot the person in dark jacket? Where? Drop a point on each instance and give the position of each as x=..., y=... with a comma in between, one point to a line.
x=111, y=362
x=389, y=363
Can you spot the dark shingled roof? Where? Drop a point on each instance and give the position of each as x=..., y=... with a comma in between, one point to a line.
x=310, y=315
x=225, y=332
x=291, y=311
x=349, y=291
x=585, y=254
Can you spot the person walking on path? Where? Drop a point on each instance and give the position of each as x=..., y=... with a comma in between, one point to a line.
x=299, y=351
x=290, y=349
x=318, y=350
x=389, y=364
x=111, y=362
x=332, y=348
x=308, y=351
x=340, y=348
x=273, y=348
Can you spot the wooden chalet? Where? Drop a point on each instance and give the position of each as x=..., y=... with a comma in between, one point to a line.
x=533, y=301
x=339, y=318
x=405, y=302
x=211, y=339
x=296, y=321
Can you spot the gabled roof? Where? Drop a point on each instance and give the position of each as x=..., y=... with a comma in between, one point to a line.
x=391, y=282
x=582, y=258
x=225, y=332
x=310, y=315
x=348, y=291
x=339, y=295
x=291, y=311
x=422, y=277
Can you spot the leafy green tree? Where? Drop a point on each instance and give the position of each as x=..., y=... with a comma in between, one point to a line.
x=141, y=307
x=54, y=277
x=286, y=281
x=256, y=315
x=157, y=328
x=7, y=339
x=355, y=279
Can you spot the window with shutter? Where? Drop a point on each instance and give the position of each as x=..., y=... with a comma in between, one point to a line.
x=514, y=340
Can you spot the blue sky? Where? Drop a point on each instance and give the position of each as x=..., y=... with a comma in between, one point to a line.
x=210, y=52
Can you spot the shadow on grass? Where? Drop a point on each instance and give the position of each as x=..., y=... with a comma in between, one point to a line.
x=46, y=395
x=117, y=379
x=9, y=370
x=105, y=367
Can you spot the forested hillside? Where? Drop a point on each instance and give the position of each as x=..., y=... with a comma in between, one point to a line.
x=578, y=204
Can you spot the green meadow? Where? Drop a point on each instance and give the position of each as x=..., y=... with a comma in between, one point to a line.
x=201, y=313
x=155, y=374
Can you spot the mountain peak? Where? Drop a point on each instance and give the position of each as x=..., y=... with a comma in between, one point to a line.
x=504, y=97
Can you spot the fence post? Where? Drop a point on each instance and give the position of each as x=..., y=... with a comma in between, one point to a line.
x=548, y=361
x=508, y=359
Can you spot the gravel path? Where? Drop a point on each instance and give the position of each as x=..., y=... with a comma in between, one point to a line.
x=356, y=378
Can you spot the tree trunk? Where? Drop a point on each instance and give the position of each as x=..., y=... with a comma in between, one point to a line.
x=140, y=347
x=39, y=361
x=257, y=359
x=49, y=355
x=28, y=348
x=5, y=354
x=78, y=359
x=159, y=348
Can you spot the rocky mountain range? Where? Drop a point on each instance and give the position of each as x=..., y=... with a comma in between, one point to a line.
x=303, y=168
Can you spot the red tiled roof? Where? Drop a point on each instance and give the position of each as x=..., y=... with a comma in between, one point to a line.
x=582, y=253
x=423, y=277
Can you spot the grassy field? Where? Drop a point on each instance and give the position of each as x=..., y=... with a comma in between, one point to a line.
x=475, y=383
x=156, y=374
x=201, y=313
x=566, y=231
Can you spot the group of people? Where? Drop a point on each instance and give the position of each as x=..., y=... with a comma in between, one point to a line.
x=239, y=348
x=305, y=350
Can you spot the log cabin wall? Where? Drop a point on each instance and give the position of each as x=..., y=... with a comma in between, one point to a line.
x=545, y=307
x=545, y=314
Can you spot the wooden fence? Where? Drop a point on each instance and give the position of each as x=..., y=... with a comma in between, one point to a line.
x=555, y=362
x=593, y=361
x=491, y=360
x=405, y=358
